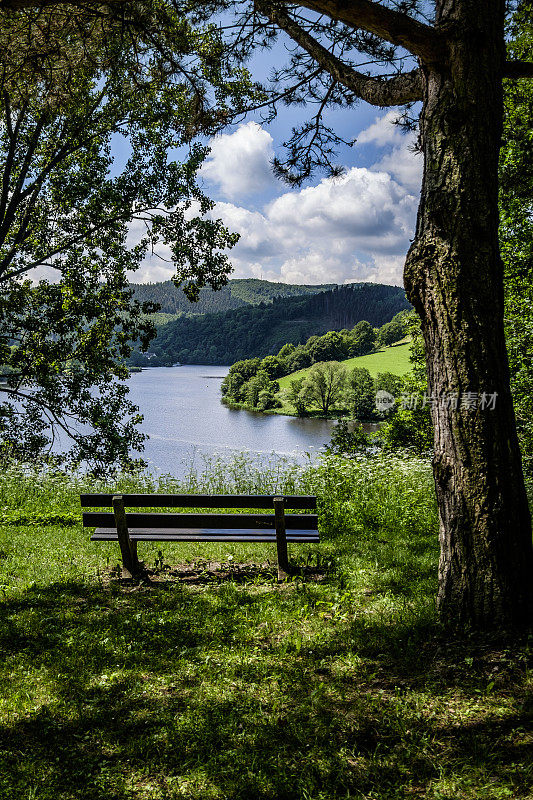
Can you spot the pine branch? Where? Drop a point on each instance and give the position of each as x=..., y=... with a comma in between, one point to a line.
x=396, y=27
x=402, y=88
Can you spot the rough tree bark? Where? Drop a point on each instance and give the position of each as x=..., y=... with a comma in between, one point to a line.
x=454, y=278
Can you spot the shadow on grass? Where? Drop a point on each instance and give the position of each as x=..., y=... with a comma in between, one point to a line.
x=202, y=573
x=174, y=691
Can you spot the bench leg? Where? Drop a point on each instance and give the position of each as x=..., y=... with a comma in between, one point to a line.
x=128, y=549
x=135, y=561
x=281, y=538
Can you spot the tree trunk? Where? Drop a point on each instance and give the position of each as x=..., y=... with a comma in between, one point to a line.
x=454, y=278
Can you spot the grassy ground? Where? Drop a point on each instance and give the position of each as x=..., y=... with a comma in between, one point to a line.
x=210, y=680
x=393, y=359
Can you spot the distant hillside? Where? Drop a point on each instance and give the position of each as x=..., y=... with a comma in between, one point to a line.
x=239, y=292
x=260, y=330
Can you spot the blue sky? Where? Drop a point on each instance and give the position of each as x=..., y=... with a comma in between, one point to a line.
x=354, y=228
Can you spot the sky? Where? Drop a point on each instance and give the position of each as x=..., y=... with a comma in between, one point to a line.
x=357, y=227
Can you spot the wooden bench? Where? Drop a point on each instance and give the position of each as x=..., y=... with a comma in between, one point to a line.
x=130, y=528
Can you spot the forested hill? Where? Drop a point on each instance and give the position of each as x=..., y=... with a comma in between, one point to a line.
x=238, y=292
x=261, y=330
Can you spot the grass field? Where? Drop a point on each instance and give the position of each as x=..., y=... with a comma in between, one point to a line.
x=209, y=680
x=393, y=359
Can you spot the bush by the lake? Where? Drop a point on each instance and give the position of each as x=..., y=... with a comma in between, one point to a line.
x=355, y=494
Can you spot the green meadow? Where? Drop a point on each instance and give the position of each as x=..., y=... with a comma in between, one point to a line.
x=209, y=679
x=393, y=359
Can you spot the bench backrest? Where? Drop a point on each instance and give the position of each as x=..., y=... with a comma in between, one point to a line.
x=195, y=520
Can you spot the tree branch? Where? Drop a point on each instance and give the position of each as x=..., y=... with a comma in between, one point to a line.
x=393, y=26
x=71, y=432
x=19, y=5
x=402, y=88
x=518, y=69
x=17, y=193
x=10, y=158
x=66, y=244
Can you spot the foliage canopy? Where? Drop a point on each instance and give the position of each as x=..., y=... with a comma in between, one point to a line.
x=74, y=223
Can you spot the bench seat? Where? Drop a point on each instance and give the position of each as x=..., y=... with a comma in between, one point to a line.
x=204, y=535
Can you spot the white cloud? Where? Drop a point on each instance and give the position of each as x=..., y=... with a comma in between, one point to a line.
x=383, y=131
x=239, y=163
x=399, y=161
x=383, y=269
x=258, y=235
x=343, y=229
x=404, y=165
x=353, y=228
x=363, y=207
x=316, y=266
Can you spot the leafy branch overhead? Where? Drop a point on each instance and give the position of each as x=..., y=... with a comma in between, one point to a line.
x=69, y=211
x=57, y=143
x=339, y=53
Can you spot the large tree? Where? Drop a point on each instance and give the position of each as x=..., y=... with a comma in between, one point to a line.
x=324, y=385
x=450, y=55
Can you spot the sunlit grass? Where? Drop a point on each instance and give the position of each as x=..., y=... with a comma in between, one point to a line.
x=221, y=683
x=393, y=359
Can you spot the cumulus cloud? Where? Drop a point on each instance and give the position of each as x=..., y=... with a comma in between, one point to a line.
x=404, y=165
x=317, y=266
x=383, y=131
x=362, y=206
x=239, y=163
x=383, y=269
x=399, y=161
x=352, y=228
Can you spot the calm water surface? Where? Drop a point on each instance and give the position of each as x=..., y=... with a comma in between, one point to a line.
x=184, y=418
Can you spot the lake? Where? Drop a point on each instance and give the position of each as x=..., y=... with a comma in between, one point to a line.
x=184, y=418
